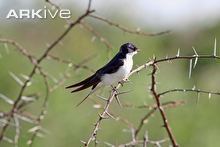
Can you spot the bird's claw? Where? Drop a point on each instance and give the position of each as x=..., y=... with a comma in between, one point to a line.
x=116, y=95
x=123, y=81
x=114, y=89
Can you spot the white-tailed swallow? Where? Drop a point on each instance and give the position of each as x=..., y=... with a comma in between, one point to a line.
x=113, y=72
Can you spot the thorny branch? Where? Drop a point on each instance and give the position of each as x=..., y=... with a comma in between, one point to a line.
x=21, y=49
x=53, y=4
x=189, y=90
x=36, y=63
x=16, y=113
x=76, y=66
x=97, y=34
x=159, y=106
x=102, y=116
x=144, y=143
x=125, y=29
x=153, y=109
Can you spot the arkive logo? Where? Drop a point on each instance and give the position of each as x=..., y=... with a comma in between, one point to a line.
x=38, y=13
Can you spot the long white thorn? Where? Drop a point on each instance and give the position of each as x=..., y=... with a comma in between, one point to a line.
x=215, y=48
x=190, y=68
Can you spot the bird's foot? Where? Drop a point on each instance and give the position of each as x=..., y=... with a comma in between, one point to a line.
x=114, y=89
x=116, y=95
x=123, y=81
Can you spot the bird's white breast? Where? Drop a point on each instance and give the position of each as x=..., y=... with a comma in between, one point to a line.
x=122, y=72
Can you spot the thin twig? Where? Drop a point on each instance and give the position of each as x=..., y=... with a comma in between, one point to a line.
x=80, y=65
x=127, y=30
x=153, y=109
x=21, y=49
x=97, y=34
x=53, y=4
x=43, y=110
x=188, y=90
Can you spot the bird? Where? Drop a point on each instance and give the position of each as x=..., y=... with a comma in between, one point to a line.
x=115, y=71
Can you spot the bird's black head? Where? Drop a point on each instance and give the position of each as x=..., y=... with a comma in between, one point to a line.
x=128, y=48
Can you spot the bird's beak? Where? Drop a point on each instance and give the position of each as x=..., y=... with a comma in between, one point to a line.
x=138, y=50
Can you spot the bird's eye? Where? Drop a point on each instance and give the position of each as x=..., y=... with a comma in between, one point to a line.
x=132, y=48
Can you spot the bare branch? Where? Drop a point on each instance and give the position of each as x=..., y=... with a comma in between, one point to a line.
x=80, y=65
x=53, y=4
x=38, y=61
x=101, y=117
x=20, y=48
x=159, y=106
x=188, y=90
x=97, y=34
x=127, y=30
x=170, y=104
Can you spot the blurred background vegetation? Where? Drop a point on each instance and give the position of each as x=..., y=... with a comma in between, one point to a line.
x=194, y=124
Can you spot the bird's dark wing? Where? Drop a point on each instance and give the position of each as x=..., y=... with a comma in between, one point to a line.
x=91, y=82
x=113, y=65
x=82, y=82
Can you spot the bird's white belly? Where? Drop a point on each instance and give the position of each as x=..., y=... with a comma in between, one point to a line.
x=122, y=73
